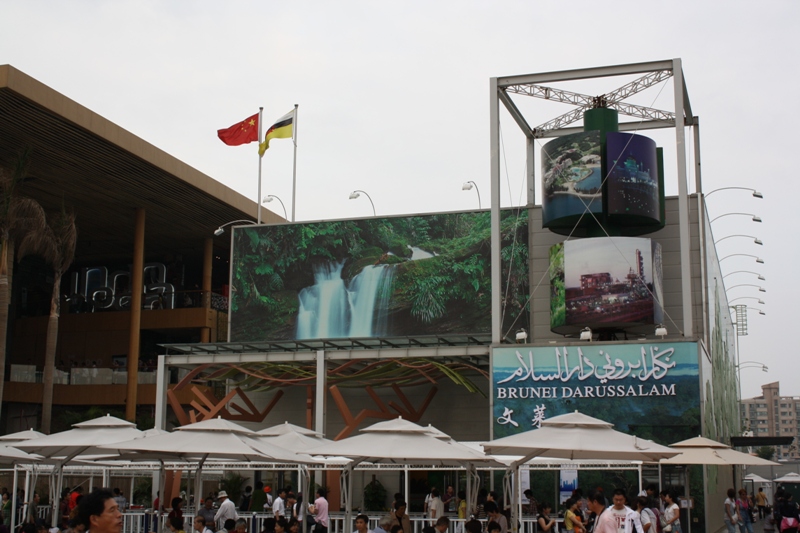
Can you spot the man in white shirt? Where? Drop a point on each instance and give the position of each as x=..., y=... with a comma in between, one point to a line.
x=227, y=509
x=619, y=511
x=279, y=505
x=646, y=516
x=435, y=506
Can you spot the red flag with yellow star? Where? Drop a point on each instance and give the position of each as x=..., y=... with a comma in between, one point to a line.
x=243, y=132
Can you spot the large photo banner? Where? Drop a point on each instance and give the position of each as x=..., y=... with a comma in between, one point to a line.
x=651, y=390
x=377, y=277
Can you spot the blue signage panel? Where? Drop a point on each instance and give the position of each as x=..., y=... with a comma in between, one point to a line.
x=651, y=390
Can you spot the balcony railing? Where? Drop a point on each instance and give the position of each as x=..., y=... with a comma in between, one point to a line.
x=80, y=376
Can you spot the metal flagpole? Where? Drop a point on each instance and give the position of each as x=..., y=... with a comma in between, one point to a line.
x=258, y=199
x=294, y=162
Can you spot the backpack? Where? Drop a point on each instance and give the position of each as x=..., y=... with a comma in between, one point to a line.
x=658, y=527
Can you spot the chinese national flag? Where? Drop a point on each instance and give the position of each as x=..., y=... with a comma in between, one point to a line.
x=243, y=132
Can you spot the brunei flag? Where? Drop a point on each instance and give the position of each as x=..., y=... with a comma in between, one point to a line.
x=282, y=129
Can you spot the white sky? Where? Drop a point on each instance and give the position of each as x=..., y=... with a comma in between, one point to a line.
x=394, y=100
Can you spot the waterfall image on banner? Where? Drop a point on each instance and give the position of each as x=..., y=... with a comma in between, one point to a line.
x=329, y=309
x=379, y=277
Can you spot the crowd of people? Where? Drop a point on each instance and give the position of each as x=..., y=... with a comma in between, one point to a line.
x=650, y=511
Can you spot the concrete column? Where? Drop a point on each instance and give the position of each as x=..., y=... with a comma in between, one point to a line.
x=208, y=255
x=137, y=289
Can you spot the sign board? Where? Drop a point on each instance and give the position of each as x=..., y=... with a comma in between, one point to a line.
x=649, y=389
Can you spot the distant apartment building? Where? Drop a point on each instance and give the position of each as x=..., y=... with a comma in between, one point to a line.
x=773, y=415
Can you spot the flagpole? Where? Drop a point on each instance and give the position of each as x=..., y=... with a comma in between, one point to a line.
x=294, y=162
x=258, y=199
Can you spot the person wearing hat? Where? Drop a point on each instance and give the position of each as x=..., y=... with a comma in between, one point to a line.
x=227, y=509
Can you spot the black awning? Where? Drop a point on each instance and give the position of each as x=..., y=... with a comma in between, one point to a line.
x=740, y=442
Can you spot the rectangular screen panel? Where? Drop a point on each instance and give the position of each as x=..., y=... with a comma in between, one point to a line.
x=377, y=277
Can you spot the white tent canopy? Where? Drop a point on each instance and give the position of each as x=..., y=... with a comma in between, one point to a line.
x=791, y=477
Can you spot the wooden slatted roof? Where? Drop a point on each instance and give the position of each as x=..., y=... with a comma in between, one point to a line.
x=104, y=173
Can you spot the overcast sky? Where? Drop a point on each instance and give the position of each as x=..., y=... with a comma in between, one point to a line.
x=394, y=100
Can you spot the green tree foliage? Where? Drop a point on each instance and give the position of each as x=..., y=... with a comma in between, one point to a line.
x=766, y=452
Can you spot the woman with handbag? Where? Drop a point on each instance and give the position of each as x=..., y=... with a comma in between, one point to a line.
x=744, y=508
x=671, y=520
x=731, y=512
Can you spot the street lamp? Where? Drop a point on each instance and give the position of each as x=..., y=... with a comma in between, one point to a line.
x=220, y=230
x=753, y=364
x=760, y=302
x=760, y=288
x=268, y=198
x=760, y=277
x=755, y=239
x=468, y=187
x=755, y=218
x=355, y=194
x=758, y=259
x=756, y=194
x=760, y=312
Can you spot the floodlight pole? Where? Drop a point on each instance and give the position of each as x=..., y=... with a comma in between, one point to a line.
x=494, y=158
x=683, y=199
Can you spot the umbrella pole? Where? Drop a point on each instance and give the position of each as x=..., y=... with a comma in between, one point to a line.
x=162, y=474
x=54, y=505
x=14, y=501
x=640, y=477
x=198, y=481
x=406, y=485
x=688, y=503
x=306, y=484
x=348, y=496
x=514, y=468
x=27, y=491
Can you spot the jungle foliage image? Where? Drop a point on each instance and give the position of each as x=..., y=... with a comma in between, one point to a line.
x=379, y=277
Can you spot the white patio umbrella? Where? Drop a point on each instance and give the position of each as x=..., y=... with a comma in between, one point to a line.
x=20, y=436
x=703, y=451
x=396, y=441
x=572, y=436
x=64, y=446
x=286, y=427
x=578, y=436
x=791, y=477
x=209, y=439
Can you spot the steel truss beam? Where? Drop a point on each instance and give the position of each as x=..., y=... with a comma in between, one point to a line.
x=612, y=100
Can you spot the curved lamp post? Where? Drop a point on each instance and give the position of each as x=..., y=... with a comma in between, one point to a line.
x=760, y=301
x=755, y=239
x=468, y=187
x=760, y=277
x=759, y=287
x=355, y=194
x=755, y=218
x=753, y=364
x=268, y=198
x=755, y=192
x=758, y=259
x=220, y=230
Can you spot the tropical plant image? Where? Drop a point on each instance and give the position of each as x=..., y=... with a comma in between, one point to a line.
x=379, y=277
